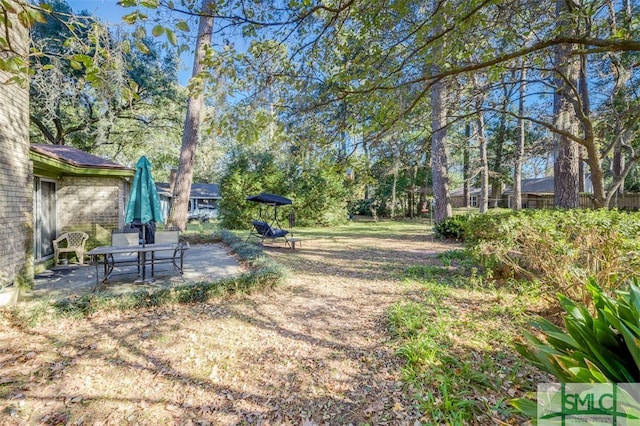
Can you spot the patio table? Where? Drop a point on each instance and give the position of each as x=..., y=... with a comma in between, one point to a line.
x=109, y=261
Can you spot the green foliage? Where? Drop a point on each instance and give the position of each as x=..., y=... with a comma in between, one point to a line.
x=90, y=89
x=453, y=349
x=452, y=227
x=318, y=193
x=593, y=349
x=320, y=196
x=248, y=175
x=599, y=348
x=362, y=207
x=560, y=248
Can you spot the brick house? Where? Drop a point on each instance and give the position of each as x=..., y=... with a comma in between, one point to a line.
x=76, y=191
x=44, y=193
x=536, y=193
x=16, y=232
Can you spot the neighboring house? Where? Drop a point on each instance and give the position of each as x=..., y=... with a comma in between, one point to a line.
x=75, y=191
x=536, y=193
x=16, y=232
x=203, y=200
x=457, y=197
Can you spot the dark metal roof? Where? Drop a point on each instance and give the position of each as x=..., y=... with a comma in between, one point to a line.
x=198, y=190
x=76, y=157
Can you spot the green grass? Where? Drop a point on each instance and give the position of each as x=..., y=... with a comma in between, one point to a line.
x=368, y=228
x=457, y=339
x=455, y=333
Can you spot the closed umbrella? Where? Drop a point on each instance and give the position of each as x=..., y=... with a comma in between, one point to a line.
x=143, y=208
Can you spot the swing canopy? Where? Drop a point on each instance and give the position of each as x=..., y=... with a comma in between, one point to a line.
x=272, y=199
x=262, y=228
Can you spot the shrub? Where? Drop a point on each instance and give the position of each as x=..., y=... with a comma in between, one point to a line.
x=318, y=191
x=594, y=349
x=452, y=227
x=559, y=248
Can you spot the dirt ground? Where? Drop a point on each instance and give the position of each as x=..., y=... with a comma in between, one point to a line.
x=313, y=351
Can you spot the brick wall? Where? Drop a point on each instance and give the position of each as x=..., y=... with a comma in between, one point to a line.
x=94, y=205
x=16, y=180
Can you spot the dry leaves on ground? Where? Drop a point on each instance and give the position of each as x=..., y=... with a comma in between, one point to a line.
x=314, y=351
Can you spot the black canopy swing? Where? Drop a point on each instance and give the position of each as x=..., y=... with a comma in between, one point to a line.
x=262, y=229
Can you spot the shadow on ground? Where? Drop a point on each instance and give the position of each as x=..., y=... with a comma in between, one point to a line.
x=202, y=262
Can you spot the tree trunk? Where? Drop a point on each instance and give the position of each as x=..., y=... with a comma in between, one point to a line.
x=496, y=183
x=442, y=202
x=622, y=76
x=394, y=199
x=412, y=195
x=439, y=160
x=184, y=176
x=517, y=168
x=484, y=164
x=618, y=164
x=466, y=167
x=567, y=152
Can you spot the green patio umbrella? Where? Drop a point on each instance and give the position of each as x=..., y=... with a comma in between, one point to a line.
x=143, y=207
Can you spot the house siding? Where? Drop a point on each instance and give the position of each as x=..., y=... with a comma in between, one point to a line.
x=91, y=204
x=16, y=179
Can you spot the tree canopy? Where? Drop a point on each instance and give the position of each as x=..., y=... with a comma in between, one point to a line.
x=399, y=96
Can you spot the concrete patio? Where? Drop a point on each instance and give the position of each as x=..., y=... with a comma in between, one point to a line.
x=202, y=262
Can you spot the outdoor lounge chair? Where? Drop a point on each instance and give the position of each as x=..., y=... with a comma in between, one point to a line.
x=264, y=231
x=71, y=242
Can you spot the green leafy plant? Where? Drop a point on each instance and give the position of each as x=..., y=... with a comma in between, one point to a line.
x=599, y=348
x=452, y=227
x=561, y=248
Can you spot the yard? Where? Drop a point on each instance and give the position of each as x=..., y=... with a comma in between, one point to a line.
x=377, y=323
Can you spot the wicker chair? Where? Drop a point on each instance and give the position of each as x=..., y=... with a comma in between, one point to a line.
x=70, y=242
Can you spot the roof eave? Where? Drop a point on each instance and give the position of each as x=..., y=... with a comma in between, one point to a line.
x=46, y=165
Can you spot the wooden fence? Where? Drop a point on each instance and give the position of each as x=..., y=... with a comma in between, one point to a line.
x=629, y=202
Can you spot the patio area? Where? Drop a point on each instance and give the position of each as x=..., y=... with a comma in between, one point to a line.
x=202, y=262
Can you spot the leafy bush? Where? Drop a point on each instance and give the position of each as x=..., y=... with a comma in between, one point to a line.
x=248, y=174
x=559, y=248
x=452, y=227
x=318, y=192
x=593, y=349
x=362, y=207
x=320, y=196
